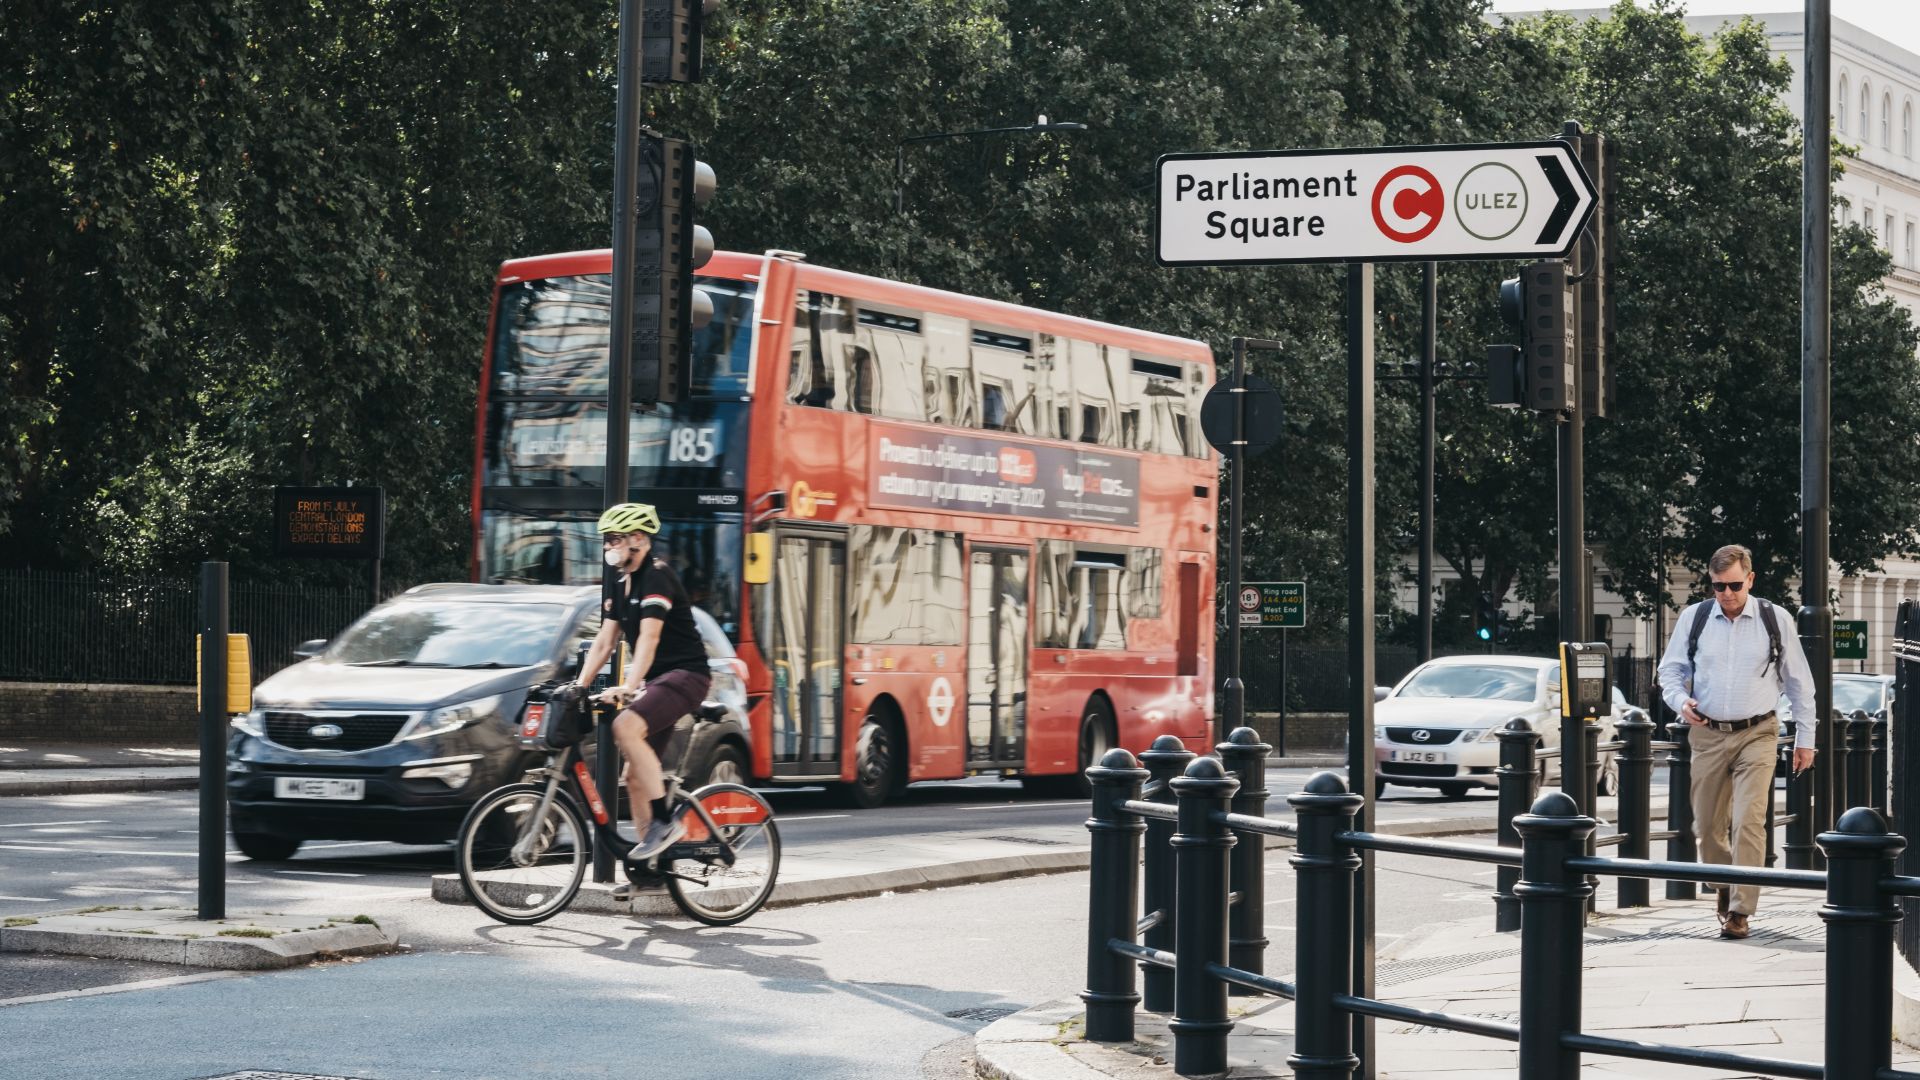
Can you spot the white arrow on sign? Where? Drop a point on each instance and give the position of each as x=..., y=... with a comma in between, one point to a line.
x=1371, y=204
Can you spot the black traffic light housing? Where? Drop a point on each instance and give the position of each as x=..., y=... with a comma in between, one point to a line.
x=1486, y=616
x=670, y=35
x=668, y=247
x=1540, y=374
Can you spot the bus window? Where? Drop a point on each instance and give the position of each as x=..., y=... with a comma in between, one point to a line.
x=907, y=586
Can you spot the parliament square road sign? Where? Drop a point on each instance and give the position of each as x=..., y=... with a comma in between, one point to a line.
x=1371, y=204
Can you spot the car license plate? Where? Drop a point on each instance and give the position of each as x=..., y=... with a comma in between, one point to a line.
x=297, y=787
x=1423, y=757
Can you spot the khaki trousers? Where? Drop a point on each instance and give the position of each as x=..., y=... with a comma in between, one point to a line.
x=1732, y=781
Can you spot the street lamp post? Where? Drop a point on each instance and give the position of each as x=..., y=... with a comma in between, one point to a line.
x=1039, y=126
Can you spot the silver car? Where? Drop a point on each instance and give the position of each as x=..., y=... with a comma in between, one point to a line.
x=1439, y=726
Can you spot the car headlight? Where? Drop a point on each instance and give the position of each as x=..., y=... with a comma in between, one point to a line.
x=1492, y=734
x=253, y=723
x=453, y=772
x=455, y=717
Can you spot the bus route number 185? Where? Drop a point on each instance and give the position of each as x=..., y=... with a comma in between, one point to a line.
x=692, y=444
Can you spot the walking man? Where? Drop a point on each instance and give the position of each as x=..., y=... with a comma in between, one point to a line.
x=1730, y=658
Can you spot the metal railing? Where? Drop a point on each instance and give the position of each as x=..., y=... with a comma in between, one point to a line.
x=1213, y=903
x=84, y=628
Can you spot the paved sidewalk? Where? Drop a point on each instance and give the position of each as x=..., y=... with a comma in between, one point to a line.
x=73, y=768
x=1657, y=975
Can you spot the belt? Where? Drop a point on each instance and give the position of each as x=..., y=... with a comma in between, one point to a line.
x=1739, y=725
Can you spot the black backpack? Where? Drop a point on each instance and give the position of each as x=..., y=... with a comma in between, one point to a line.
x=1704, y=611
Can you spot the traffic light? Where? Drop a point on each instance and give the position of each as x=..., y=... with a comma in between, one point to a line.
x=670, y=34
x=1486, y=616
x=1541, y=305
x=1502, y=626
x=668, y=248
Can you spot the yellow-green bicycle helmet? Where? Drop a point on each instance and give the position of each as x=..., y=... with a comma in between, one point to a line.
x=630, y=517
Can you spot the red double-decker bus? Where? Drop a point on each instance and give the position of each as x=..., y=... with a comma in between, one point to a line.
x=947, y=535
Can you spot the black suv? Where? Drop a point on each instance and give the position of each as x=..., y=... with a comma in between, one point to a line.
x=392, y=730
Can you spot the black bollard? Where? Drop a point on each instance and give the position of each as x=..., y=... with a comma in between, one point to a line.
x=1553, y=907
x=1519, y=784
x=1166, y=759
x=1245, y=756
x=1877, y=775
x=1860, y=920
x=1680, y=807
x=1323, y=939
x=1113, y=897
x=1859, y=760
x=1200, y=1026
x=1636, y=803
x=1800, y=809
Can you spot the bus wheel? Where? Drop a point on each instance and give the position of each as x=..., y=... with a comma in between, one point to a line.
x=875, y=764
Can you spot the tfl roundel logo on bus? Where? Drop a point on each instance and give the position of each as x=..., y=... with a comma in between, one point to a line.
x=1407, y=204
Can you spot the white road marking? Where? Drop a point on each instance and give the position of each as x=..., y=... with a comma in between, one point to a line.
x=144, y=984
x=1007, y=806
x=112, y=836
x=30, y=899
x=347, y=843
x=119, y=889
x=811, y=817
x=318, y=873
x=49, y=849
x=46, y=824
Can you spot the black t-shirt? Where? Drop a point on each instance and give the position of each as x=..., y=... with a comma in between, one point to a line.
x=657, y=594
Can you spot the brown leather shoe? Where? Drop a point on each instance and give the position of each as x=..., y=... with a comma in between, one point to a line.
x=1734, y=926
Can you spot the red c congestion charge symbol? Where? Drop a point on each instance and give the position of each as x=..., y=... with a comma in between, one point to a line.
x=1417, y=204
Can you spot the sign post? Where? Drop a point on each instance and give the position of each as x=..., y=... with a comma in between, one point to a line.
x=1360, y=206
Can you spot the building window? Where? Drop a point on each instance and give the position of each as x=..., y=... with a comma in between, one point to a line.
x=1910, y=244
x=1906, y=130
x=1866, y=221
x=1866, y=100
x=1886, y=121
x=1840, y=104
x=1887, y=235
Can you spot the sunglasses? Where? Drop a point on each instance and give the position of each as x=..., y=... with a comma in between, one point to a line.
x=614, y=539
x=1723, y=586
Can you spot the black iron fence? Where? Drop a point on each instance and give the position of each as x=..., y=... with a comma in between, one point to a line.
x=1204, y=936
x=79, y=627
x=1905, y=756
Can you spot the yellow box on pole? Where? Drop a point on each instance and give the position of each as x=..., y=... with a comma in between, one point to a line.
x=239, y=673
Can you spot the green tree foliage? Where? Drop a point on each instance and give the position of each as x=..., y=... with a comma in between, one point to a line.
x=250, y=244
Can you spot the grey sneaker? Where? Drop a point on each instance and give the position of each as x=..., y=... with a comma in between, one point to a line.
x=659, y=836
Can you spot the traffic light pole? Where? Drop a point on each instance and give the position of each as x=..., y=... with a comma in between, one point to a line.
x=1816, y=433
x=1429, y=358
x=626, y=161
x=1360, y=669
x=1234, y=690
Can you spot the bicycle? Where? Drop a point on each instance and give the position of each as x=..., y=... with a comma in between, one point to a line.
x=524, y=848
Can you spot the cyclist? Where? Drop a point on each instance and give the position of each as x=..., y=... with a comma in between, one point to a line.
x=668, y=678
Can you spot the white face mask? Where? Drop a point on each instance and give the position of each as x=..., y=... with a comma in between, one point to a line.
x=616, y=556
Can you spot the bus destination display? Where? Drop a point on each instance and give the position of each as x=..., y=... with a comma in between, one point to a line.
x=329, y=523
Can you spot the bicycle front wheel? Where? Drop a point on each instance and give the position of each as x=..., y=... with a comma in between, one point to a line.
x=518, y=865
x=699, y=878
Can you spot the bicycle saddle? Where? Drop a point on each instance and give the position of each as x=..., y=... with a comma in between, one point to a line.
x=710, y=711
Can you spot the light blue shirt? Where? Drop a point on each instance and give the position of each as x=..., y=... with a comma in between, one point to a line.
x=1725, y=675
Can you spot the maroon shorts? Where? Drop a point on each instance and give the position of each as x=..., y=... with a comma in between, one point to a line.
x=666, y=699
